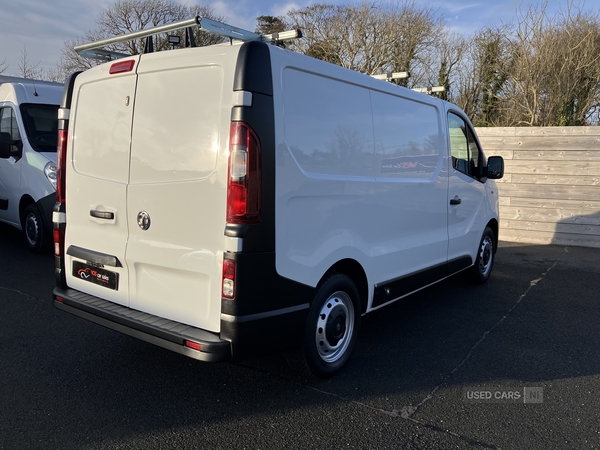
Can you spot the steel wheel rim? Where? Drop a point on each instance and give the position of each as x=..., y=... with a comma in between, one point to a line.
x=335, y=327
x=31, y=229
x=486, y=255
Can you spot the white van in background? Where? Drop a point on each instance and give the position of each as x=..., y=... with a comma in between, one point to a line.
x=229, y=201
x=28, y=143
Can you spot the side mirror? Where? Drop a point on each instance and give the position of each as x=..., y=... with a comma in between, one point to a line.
x=495, y=167
x=7, y=146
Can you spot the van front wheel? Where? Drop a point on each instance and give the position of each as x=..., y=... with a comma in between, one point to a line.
x=484, y=262
x=33, y=229
x=332, y=326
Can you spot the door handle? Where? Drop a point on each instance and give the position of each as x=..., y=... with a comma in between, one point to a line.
x=102, y=214
x=456, y=200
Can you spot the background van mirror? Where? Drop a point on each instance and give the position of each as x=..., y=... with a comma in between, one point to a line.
x=9, y=147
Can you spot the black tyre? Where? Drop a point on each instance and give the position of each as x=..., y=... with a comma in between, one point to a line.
x=484, y=262
x=36, y=237
x=332, y=326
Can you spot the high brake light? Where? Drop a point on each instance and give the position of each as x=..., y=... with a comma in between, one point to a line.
x=244, y=175
x=121, y=67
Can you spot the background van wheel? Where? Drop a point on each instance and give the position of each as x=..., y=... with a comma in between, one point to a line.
x=35, y=234
x=332, y=326
x=484, y=262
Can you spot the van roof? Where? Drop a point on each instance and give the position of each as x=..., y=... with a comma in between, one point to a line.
x=24, y=90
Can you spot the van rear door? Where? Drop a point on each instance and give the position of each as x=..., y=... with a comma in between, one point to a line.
x=176, y=200
x=97, y=175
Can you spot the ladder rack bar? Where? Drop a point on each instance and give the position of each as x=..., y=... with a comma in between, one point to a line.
x=227, y=30
x=392, y=76
x=430, y=90
x=95, y=50
x=138, y=34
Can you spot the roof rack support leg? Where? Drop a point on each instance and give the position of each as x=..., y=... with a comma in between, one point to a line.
x=190, y=40
x=149, y=47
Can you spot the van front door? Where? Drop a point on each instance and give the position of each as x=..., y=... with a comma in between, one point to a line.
x=10, y=170
x=466, y=194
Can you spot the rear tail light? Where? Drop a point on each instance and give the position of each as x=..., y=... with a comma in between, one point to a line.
x=228, y=283
x=58, y=236
x=62, y=162
x=244, y=175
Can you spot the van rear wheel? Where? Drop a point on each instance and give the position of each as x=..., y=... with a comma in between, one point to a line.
x=33, y=229
x=332, y=326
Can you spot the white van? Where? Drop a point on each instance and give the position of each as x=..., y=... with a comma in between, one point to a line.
x=28, y=127
x=229, y=201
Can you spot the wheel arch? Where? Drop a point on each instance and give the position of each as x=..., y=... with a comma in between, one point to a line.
x=355, y=271
x=25, y=201
x=493, y=224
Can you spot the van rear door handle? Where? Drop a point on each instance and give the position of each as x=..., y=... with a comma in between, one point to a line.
x=102, y=214
x=456, y=200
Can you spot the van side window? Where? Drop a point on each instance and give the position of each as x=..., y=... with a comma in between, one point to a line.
x=463, y=147
x=8, y=123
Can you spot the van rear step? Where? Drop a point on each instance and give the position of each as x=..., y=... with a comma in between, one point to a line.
x=175, y=336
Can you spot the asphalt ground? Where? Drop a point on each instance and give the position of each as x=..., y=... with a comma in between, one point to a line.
x=66, y=383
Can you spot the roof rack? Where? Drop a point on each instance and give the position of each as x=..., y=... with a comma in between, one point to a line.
x=392, y=76
x=430, y=90
x=95, y=49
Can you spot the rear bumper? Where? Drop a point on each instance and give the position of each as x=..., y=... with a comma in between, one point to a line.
x=153, y=329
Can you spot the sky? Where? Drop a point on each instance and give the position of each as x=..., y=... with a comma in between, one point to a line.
x=39, y=28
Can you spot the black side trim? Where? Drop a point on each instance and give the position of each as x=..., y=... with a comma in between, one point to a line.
x=399, y=287
x=3, y=204
x=260, y=289
x=262, y=334
x=269, y=311
x=93, y=257
x=264, y=315
x=458, y=264
x=253, y=69
x=156, y=330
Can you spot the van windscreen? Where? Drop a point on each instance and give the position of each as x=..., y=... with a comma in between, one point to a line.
x=41, y=126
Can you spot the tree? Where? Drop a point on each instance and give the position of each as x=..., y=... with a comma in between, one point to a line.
x=270, y=24
x=371, y=37
x=556, y=67
x=26, y=68
x=413, y=31
x=483, y=78
x=127, y=16
x=450, y=50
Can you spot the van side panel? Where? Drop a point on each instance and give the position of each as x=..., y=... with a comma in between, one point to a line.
x=361, y=174
x=269, y=311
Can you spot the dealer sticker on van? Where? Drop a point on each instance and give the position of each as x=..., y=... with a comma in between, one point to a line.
x=96, y=275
